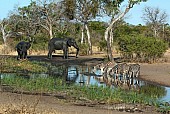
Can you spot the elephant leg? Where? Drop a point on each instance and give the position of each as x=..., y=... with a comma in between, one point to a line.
x=50, y=54
x=22, y=55
x=65, y=53
x=19, y=55
x=25, y=55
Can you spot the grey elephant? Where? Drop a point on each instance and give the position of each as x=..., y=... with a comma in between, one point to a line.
x=22, y=48
x=61, y=44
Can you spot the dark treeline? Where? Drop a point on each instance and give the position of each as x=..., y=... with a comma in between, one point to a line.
x=42, y=21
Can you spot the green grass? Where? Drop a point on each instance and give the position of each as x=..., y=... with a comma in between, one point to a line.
x=9, y=64
x=93, y=92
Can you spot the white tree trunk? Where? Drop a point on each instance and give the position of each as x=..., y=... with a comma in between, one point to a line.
x=3, y=33
x=155, y=32
x=82, y=34
x=51, y=31
x=89, y=39
x=111, y=36
x=108, y=29
x=109, y=46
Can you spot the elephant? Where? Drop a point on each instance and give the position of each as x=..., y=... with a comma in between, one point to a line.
x=22, y=48
x=61, y=44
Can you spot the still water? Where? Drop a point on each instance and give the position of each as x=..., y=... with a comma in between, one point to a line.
x=87, y=75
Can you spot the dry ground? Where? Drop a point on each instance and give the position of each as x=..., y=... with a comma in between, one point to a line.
x=157, y=72
x=13, y=103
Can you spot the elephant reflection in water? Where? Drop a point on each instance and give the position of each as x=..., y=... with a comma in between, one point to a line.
x=85, y=75
x=63, y=72
x=68, y=76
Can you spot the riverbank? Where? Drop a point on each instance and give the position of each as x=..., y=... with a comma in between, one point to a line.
x=156, y=73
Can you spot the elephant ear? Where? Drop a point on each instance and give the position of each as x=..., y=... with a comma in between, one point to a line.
x=28, y=45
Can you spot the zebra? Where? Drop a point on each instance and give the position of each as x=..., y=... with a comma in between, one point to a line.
x=134, y=71
x=119, y=72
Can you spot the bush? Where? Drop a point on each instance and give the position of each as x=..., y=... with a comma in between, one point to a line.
x=40, y=42
x=144, y=49
x=83, y=49
x=102, y=45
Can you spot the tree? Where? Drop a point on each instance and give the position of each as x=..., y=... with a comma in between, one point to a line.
x=112, y=7
x=82, y=11
x=155, y=18
x=5, y=33
x=41, y=14
x=28, y=19
x=50, y=14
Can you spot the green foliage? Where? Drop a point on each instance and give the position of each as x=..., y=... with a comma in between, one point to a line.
x=97, y=32
x=34, y=84
x=70, y=6
x=40, y=42
x=13, y=65
x=102, y=44
x=139, y=48
x=153, y=90
x=83, y=49
x=97, y=26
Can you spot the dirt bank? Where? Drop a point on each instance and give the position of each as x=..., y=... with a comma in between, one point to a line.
x=156, y=73
x=13, y=103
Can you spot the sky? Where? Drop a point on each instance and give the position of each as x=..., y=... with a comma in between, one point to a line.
x=133, y=16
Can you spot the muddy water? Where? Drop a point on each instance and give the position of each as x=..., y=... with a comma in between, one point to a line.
x=87, y=75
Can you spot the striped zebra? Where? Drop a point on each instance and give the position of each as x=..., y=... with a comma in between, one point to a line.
x=134, y=72
x=119, y=72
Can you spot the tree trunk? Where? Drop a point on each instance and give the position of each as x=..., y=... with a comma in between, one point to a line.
x=155, y=32
x=3, y=34
x=111, y=36
x=108, y=29
x=109, y=46
x=50, y=31
x=89, y=40
x=82, y=34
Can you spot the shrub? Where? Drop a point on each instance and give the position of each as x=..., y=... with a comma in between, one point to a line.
x=144, y=49
x=102, y=44
x=83, y=49
x=40, y=42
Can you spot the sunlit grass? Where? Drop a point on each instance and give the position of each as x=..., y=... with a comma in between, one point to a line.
x=12, y=65
x=93, y=92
